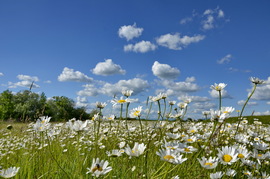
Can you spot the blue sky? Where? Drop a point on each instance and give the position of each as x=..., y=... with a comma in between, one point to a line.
x=90, y=50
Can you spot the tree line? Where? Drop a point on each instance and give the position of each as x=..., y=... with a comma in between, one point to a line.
x=28, y=106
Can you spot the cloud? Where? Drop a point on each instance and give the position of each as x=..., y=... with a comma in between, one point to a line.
x=175, y=42
x=210, y=18
x=136, y=84
x=108, y=68
x=142, y=47
x=262, y=113
x=69, y=74
x=47, y=81
x=89, y=90
x=27, y=78
x=204, y=106
x=250, y=103
x=130, y=31
x=1, y=74
x=268, y=102
x=195, y=98
x=164, y=71
x=26, y=81
x=231, y=69
x=225, y=59
x=81, y=101
x=185, y=20
x=190, y=79
x=262, y=91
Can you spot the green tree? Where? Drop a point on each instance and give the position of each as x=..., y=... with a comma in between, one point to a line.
x=7, y=105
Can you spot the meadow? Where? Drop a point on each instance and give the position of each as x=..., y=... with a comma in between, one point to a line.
x=106, y=147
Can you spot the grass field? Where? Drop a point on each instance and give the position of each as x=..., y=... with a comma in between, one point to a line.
x=166, y=149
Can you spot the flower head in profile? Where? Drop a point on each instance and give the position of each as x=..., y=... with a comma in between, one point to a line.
x=136, y=151
x=101, y=105
x=10, y=172
x=116, y=101
x=159, y=97
x=171, y=156
x=216, y=175
x=99, y=167
x=256, y=80
x=135, y=112
x=127, y=93
x=218, y=87
x=209, y=163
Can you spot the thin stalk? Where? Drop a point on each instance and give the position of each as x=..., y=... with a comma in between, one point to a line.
x=219, y=93
x=243, y=108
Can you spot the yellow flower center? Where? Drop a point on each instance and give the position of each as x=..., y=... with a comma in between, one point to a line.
x=168, y=157
x=136, y=113
x=227, y=158
x=225, y=112
x=121, y=101
x=241, y=156
x=183, y=135
x=170, y=147
x=189, y=140
x=259, y=155
x=187, y=150
x=43, y=121
x=192, y=131
x=210, y=164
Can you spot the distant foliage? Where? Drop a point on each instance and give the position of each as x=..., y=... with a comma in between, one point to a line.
x=28, y=106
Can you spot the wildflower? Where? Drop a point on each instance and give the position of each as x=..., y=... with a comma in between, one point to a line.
x=127, y=93
x=114, y=153
x=208, y=163
x=227, y=155
x=216, y=175
x=230, y=172
x=218, y=87
x=170, y=156
x=159, y=97
x=42, y=124
x=260, y=146
x=10, y=172
x=99, y=167
x=136, y=112
x=121, y=101
x=77, y=125
x=110, y=118
x=243, y=153
x=188, y=149
x=173, y=136
x=95, y=117
x=256, y=80
x=136, y=151
x=172, y=103
x=101, y=105
x=182, y=105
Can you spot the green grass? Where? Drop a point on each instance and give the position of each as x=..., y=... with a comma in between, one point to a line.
x=68, y=154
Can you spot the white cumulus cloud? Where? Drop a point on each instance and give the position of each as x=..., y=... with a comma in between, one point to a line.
x=165, y=71
x=69, y=74
x=110, y=89
x=108, y=68
x=130, y=31
x=142, y=47
x=26, y=81
x=136, y=84
x=1, y=74
x=176, y=42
